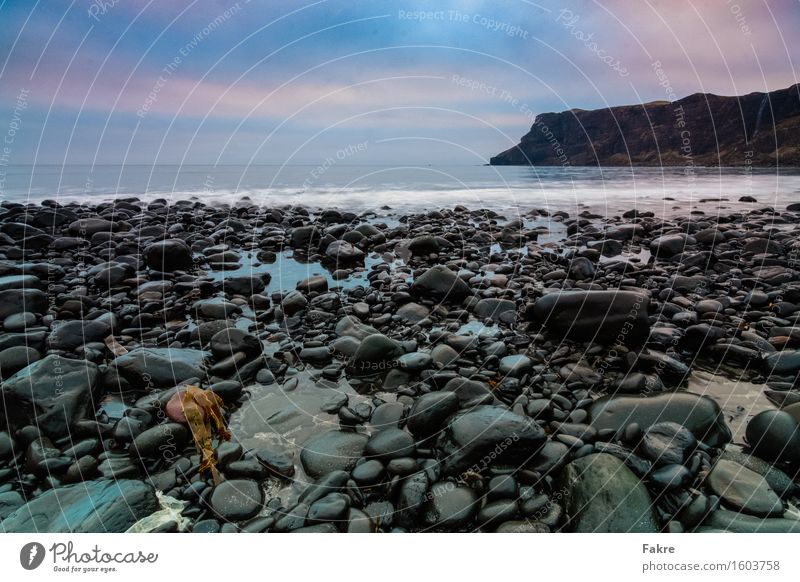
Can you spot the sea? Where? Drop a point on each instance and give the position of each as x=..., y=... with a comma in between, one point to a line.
x=407, y=188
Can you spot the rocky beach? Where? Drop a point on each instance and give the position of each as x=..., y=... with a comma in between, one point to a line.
x=452, y=370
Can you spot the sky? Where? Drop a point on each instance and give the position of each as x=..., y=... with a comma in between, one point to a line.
x=363, y=82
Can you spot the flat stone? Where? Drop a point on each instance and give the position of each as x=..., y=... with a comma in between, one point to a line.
x=700, y=414
x=110, y=506
x=237, y=499
x=604, y=496
x=332, y=451
x=744, y=490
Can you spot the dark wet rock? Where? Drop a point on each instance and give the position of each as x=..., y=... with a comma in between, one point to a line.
x=387, y=415
x=522, y=526
x=359, y=522
x=368, y=472
x=246, y=285
x=13, y=301
x=351, y=327
x=737, y=522
x=496, y=512
x=215, y=308
x=313, y=284
x=440, y=284
x=502, y=487
x=603, y=495
x=332, y=451
x=331, y=508
x=237, y=499
x=667, y=443
x=670, y=244
x=430, y=412
x=89, y=507
x=670, y=477
x=774, y=435
x=20, y=282
x=389, y=444
x=6, y=446
x=15, y=358
x=444, y=355
x=10, y=501
x=227, y=342
x=777, y=480
x=294, y=302
x=700, y=414
x=161, y=441
x=411, y=500
x=424, y=245
x=470, y=392
x=228, y=390
x=160, y=367
x=206, y=526
x=637, y=383
x=499, y=310
x=52, y=394
x=373, y=350
x=412, y=313
x=515, y=365
x=606, y=316
x=72, y=334
x=488, y=430
x=786, y=362
x=415, y=362
x=551, y=458
x=276, y=462
x=744, y=490
x=168, y=255
x=344, y=252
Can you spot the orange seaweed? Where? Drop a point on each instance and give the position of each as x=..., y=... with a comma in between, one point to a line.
x=203, y=411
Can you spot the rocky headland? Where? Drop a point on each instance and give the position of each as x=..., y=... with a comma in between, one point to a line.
x=450, y=370
x=754, y=130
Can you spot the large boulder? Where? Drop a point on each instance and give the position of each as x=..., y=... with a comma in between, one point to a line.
x=670, y=245
x=744, y=490
x=229, y=341
x=72, y=334
x=14, y=301
x=90, y=507
x=344, y=252
x=160, y=367
x=604, y=316
x=168, y=255
x=245, y=284
x=86, y=227
x=603, y=496
x=774, y=435
x=440, y=284
x=51, y=393
x=699, y=414
x=373, y=353
x=330, y=451
x=476, y=439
